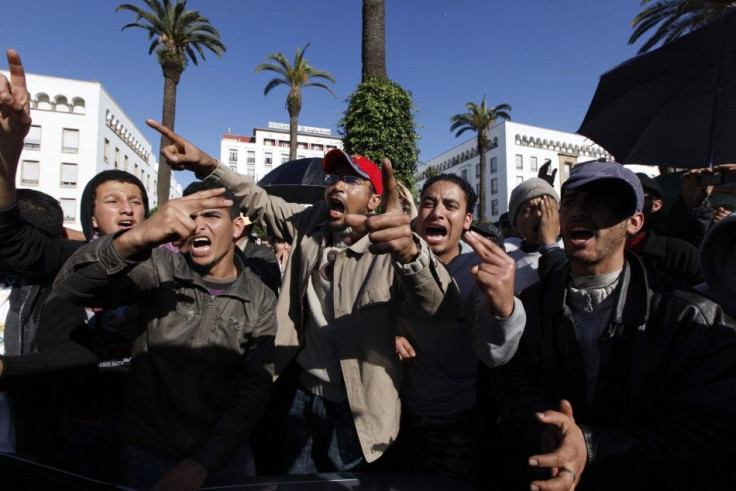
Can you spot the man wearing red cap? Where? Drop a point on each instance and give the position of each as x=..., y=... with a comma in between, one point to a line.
x=348, y=271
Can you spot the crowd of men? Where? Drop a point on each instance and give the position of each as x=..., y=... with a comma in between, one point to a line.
x=595, y=349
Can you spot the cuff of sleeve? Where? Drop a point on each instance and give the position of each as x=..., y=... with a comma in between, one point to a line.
x=590, y=444
x=216, y=175
x=518, y=315
x=419, y=263
x=548, y=247
x=109, y=257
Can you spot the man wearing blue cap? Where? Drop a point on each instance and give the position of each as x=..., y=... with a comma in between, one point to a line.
x=649, y=369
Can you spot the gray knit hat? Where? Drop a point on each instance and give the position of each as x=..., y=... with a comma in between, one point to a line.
x=529, y=189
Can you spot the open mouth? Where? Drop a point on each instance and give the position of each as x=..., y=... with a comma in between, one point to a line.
x=579, y=236
x=200, y=245
x=125, y=224
x=337, y=209
x=434, y=234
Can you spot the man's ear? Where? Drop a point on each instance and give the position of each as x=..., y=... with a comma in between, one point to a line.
x=238, y=226
x=634, y=223
x=94, y=222
x=656, y=205
x=468, y=221
x=373, y=202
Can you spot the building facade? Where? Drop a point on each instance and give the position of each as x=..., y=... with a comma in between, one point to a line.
x=78, y=130
x=268, y=148
x=516, y=152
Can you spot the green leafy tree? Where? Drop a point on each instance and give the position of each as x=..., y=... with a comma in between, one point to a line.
x=379, y=122
x=669, y=19
x=479, y=119
x=177, y=35
x=295, y=75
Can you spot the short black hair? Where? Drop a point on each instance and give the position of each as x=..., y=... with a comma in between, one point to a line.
x=41, y=210
x=198, y=186
x=470, y=195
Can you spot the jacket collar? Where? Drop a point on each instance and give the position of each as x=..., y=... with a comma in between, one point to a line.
x=184, y=271
x=632, y=304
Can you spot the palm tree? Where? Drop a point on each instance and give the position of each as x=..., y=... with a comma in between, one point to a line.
x=479, y=119
x=177, y=36
x=675, y=18
x=296, y=76
x=373, y=45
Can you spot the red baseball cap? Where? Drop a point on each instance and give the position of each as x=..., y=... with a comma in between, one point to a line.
x=364, y=167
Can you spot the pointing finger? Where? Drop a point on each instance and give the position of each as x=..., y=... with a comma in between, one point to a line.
x=390, y=194
x=166, y=132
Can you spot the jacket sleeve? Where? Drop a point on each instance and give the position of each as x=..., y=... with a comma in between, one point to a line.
x=250, y=396
x=54, y=349
x=29, y=251
x=271, y=212
x=496, y=339
x=97, y=276
x=427, y=287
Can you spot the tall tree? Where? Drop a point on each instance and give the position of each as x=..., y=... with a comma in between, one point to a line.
x=177, y=35
x=674, y=18
x=379, y=122
x=374, y=39
x=479, y=119
x=296, y=75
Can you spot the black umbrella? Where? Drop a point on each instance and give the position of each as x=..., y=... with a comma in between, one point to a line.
x=674, y=106
x=297, y=181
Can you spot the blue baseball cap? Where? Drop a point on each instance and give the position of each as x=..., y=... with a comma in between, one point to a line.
x=587, y=173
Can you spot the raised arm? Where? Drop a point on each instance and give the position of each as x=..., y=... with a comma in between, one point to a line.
x=15, y=121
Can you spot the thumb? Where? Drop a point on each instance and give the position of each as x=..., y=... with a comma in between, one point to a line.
x=390, y=193
x=566, y=409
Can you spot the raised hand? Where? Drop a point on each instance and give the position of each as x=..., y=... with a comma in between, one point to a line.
x=549, y=221
x=407, y=201
x=543, y=173
x=182, y=155
x=389, y=232
x=15, y=121
x=494, y=276
x=172, y=222
x=564, y=441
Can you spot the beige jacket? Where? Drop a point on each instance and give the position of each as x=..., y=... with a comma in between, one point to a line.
x=367, y=291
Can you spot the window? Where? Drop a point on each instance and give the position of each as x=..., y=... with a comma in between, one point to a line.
x=126, y=164
x=69, y=207
x=519, y=162
x=464, y=174
x=302, y=146
x=232, y=155
x=284, y=158
x=494, y=207
x=533, y=162
x=251, y=159
x=69, y=140
x=250, y=170
x=284, y=143
x=477, y=170
x=477, y=189
x=106, y=150
x=68, y=175
x=318, y=147
x=117, y=158
x=494, y=165
x=519, y=180
x=33, y=139
x=494, y=185
x=29, y=172
x=568, y=168
x=269, y=143
x=269, y=158
x=233, y=166
x=135, y=167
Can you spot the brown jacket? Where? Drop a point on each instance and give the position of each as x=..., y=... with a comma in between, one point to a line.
x=368, y=290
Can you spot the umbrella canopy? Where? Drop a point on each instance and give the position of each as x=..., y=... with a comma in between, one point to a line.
x=674, y=106
x=297, y=181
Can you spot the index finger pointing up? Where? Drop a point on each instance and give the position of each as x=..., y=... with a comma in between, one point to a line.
x=390, y=193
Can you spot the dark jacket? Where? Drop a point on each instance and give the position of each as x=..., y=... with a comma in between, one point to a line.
x=671, y=256
x=201, y=373
x=663, y=414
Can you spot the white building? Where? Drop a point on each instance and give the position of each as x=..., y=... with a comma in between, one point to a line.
x=79, y=130
x=268, y=148
x=516, y=152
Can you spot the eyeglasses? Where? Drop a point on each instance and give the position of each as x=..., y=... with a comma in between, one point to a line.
x=331, y=179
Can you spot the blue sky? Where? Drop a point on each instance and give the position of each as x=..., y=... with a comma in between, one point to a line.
x=542, y=57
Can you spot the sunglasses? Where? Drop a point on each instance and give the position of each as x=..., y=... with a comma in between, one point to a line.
x=331, y=179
